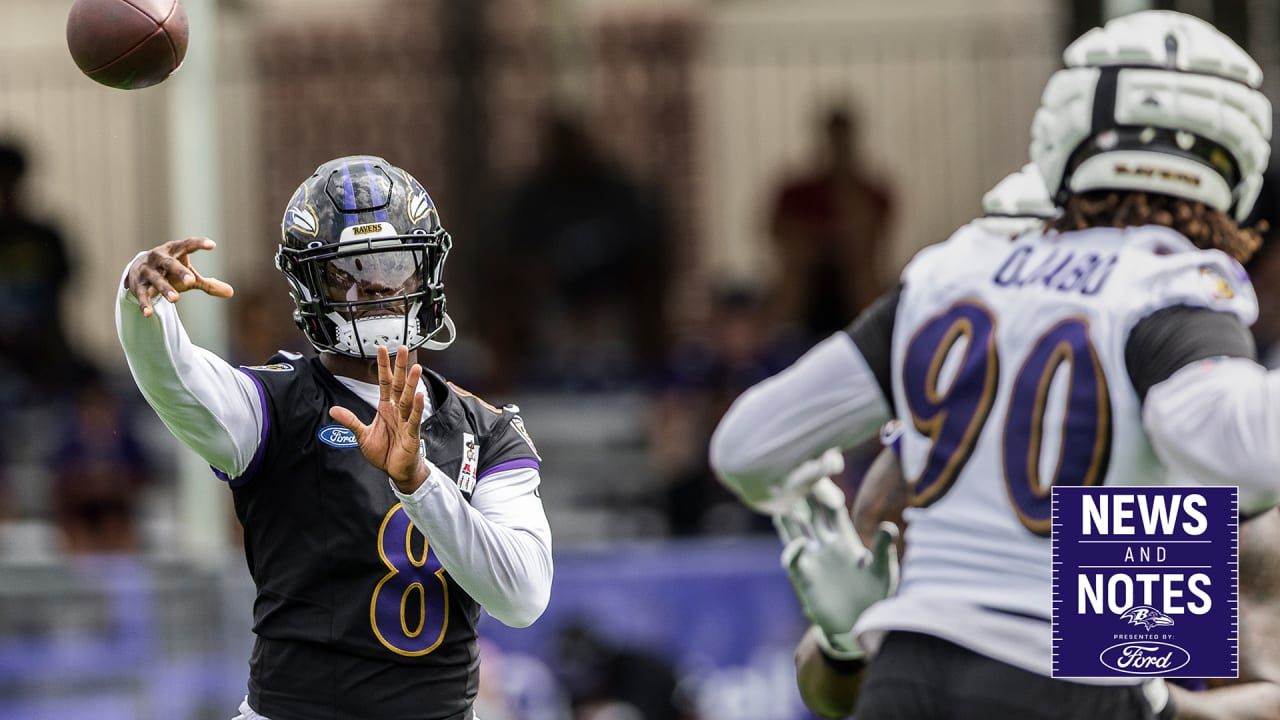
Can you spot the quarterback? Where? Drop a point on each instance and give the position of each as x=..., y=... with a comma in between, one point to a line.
x=1112, y=347
x=382, y=505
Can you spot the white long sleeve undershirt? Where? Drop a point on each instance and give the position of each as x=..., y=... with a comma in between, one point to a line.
x=1217, y=422
x=497, y=547
x=828, y=398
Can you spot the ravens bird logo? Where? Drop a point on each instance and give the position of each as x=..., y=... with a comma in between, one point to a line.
x=1146, y=616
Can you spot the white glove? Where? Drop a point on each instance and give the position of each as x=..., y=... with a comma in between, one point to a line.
x=777, y=496
x=835, y=576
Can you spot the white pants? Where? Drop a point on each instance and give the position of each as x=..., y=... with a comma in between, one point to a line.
x=247, y=713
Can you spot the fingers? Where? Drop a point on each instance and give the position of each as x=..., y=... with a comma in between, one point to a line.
x=884, y=554
x=153, y=275
x=791, y=552
x=186, y=246
x=885, y=543
x=827, y=509
x=192, y=279
x=409, y=393
x=397, y=378
x=790, y=528
x=831, y=462
x=385, y=377
x=214, y=287
x=348, y=419
x=166, y=271
x=418, y=405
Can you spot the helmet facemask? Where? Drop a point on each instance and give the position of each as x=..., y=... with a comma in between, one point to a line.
x=356, y=295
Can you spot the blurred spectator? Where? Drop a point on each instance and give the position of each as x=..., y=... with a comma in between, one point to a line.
x=582, y=295
x=34, y=266
x=99, y=471
x=6, y=501
x=260, y=326
x=701, y=378
x=609, y=681
x=829, y=228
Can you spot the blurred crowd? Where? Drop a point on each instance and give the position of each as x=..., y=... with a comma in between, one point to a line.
x=71, y=424
x=576, y=301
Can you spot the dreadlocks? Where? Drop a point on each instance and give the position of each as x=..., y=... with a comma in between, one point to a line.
x=1205, y=227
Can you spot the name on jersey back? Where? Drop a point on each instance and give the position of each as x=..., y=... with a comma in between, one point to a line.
x=1055, y=268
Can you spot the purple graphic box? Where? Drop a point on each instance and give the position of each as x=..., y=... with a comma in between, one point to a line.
x=1144, y=582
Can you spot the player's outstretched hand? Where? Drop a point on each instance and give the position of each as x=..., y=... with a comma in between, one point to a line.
x=834, y=575
x=166, y=270
x=390, y=442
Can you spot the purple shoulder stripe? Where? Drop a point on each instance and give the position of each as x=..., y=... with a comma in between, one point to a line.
x=262, y=439
x=509, y=465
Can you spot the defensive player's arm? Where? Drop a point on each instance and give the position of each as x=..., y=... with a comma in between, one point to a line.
x=206, y=403
x=497, y=547
x=828, y=686
x=1211, y=411
x=1257, y=693
x=882, y=497
x=1249, y=701
x=836, y=395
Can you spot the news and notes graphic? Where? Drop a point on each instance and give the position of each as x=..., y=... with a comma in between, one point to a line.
x=1144, y=582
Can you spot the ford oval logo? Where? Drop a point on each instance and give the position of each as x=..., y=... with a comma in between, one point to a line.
x=1144, y=658
x=337, y=436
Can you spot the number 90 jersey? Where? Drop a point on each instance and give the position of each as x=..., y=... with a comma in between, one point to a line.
x=1009, y=375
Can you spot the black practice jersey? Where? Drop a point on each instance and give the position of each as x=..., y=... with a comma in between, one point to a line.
x=355, y=616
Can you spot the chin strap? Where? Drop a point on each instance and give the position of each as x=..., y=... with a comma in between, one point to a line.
x=446, y=323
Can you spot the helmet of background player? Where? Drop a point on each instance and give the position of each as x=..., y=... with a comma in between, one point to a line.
x=1156, y=101
x=363, y=250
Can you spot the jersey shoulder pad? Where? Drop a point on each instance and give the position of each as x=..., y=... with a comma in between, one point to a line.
x=954, y=256
x=282, y=361
x=471, y=398
x=1161, y=269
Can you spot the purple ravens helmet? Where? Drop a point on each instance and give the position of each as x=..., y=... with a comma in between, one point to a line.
x=363, y=249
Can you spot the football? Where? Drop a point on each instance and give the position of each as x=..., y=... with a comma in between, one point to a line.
x=127, y=44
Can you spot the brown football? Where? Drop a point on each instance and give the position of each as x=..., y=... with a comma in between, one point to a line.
x=127, y=44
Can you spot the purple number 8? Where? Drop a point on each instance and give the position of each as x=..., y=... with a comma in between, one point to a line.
x=413, y=592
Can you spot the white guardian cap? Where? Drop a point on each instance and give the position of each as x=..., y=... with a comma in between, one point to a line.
x=1156, y=101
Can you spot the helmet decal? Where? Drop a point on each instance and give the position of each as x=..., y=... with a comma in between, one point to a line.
x=419, y=202
x=301, y=216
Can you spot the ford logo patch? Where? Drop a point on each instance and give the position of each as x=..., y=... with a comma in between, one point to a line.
x=1144, y=658
x=337, y=436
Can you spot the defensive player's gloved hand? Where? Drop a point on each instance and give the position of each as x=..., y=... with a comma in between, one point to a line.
x=777, y=495
x=835, y=576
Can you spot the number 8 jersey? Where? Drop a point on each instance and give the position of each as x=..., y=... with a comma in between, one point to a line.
x=1017, y=366
x=355, y=614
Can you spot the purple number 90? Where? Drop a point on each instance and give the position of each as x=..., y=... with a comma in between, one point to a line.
x=952, y=417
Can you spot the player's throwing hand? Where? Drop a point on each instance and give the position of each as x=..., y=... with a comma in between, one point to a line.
x=390, y=442
x=166, y=270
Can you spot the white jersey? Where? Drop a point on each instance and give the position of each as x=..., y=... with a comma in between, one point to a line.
x=1008, y=370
